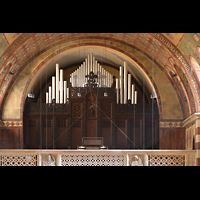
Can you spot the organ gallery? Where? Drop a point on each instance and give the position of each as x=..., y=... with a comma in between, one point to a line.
x=101, y=98
x=93, y=104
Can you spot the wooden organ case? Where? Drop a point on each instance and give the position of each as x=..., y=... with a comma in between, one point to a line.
x=91, y=106
x=91, y=112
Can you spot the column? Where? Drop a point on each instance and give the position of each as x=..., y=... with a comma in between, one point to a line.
x=197, y=140
x=193, y=120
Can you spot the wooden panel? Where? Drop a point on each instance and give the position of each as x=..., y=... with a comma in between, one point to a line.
x=106, y=132
x=76, y=126
x=76, y=109
x=32, y=131
x=172, y=138
x=136, y=134
x=47, y=133
x=76, y=133
x=61, y=133
x=91, y=128
x=10, y=138
x=121, y=133
x=165, y=138
x=177, y=139
x=91, y=115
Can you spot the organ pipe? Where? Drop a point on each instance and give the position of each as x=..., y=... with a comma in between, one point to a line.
x=47, y=97
x=135, y=98
x=61, y=86
x=121, y=83
x=117, y=90
x=50, y=97
x=57, y=83
x=53, y=87
x=129, y=86
x=124, y=89
x=65, y=92
x=125, y=82
x=133, y=91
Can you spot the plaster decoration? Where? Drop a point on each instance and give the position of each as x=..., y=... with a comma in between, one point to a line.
x=92, y=160
x=170, y=124
x=166, y=160
x=136, y=160
x=19, y=160
x=48, y=160
x=175, y=38
x=6, y=124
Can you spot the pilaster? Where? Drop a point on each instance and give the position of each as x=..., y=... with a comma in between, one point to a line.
x=194, y=120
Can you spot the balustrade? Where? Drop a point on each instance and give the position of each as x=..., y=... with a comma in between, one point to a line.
x=97, y=157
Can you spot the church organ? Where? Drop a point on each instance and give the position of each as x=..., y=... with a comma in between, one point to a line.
x=92, y=104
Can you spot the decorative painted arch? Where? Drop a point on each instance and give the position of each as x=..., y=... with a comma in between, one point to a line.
x=132, y=45
x=195, y=65
x=41, y=66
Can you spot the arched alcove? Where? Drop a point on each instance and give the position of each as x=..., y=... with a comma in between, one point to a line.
x=145, y=69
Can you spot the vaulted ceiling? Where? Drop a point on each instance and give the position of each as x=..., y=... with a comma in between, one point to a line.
x=168, y=62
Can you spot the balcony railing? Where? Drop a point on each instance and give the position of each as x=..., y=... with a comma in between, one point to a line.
x=97, y=157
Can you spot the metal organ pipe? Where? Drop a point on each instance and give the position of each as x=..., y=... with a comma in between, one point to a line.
x=57, y=83
x=117, y=89
x=65, y=91
x=127, y=91
x=53, y=87
x=135, y=98
x=125, y=82
x=133, y=92
x=50, y=98
x=61, y=86
x=129, y=86
x=104, y=78
x=59, y=90
x=47, y=97
x=124, y=89
x=121, y=83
